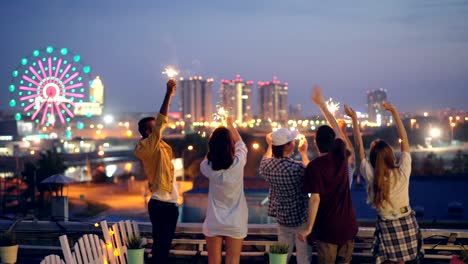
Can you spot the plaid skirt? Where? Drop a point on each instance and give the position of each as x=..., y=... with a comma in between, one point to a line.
x=398, y=240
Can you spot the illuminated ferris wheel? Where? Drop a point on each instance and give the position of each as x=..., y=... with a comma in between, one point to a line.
x=47, y=86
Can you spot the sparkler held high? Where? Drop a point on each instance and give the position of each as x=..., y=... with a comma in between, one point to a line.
x=220, y=115
x=170, y=72
x=332, y=106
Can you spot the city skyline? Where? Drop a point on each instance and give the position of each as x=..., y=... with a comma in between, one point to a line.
x=347, y=48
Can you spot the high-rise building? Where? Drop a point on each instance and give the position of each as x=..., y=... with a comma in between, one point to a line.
x=95, y=105
x=273, y=100
x=196, y=99
x=295, y=111
x=377, y=114
x=236, y=97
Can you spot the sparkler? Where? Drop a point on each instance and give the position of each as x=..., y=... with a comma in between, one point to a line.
x=170, y=72
x=221, y=114
x=332, y=106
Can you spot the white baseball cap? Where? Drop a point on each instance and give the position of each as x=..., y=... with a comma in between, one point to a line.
x=283, y=136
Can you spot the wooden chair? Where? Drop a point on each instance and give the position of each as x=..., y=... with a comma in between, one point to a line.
x=52, y=259
x=89, y=249
x=117, y=235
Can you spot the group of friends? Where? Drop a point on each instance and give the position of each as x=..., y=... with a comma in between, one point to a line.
x=310, y=199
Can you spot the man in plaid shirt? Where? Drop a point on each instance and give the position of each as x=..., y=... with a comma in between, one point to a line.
x=288, y=202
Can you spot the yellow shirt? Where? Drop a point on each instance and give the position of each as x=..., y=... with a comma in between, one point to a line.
x=156, y=156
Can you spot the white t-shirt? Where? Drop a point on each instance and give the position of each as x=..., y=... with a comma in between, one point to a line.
x=399, y=187
x=165, y=196
x=227, y=212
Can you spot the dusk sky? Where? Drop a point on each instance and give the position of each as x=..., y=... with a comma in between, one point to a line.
x=417, y=50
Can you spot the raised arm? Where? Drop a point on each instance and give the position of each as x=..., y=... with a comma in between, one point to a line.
x=234, y=133
x=171, y=89
x=349, y=146
x=317, y=98
x=400, y=127
x=161, y=119
x=302, y=148
x=356, y=132
x=269, y=151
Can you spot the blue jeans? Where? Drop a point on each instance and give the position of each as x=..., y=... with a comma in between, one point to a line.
x=288, y=235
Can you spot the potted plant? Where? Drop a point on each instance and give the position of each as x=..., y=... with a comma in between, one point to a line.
x=278, y=253
x=462, y=258
x=135, y=250
x=8, y=246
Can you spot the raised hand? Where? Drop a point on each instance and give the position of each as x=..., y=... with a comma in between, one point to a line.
x=229, y=120
x=303, y=145
x=268, y=139
x=388, y=106
x=350, y=112
x=171, y=87
x=317, y=97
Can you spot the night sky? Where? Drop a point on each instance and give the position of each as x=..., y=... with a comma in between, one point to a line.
x=417, y=50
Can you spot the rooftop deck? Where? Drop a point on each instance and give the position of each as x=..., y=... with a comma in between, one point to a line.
x=40, y=238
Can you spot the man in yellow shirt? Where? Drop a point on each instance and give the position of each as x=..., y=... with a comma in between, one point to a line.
x=156, y=157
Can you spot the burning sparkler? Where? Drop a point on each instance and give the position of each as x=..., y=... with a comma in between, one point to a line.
x=332, y=106
x=170, y=72
x=220, y=115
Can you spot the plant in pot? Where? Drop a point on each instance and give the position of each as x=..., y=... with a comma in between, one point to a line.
x=278, y=253
x=135, y=250
x=462, y=258
x=8, y=246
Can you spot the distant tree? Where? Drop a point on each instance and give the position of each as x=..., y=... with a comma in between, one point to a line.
x=458, y=163
x=29, y=176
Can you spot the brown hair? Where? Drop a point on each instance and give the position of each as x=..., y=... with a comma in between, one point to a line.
x=382, y=160
x=221, y=149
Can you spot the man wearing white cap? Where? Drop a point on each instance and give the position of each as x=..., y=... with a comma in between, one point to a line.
x=288, y=203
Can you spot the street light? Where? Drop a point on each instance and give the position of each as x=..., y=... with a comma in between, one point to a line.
x=255, y=146
x=452, y=126
x=435, y=132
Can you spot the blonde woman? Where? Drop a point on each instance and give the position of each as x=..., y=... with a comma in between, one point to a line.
x=397, y=236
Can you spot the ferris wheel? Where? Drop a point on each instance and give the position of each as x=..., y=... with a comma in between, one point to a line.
x=48, y=85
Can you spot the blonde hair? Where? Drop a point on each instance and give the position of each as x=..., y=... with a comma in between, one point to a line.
x=382, y=160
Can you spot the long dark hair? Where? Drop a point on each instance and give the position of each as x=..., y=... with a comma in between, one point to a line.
x=220, y=149
x=383, y=160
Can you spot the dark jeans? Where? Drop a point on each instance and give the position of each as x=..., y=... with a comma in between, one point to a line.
x=163, y=217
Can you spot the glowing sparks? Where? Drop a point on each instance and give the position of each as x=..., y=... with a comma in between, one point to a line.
x=221, y=114
x=170, y=72
x=332, y=106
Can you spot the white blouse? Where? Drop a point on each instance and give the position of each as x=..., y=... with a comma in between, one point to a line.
x=227, y=212
x=399, y=187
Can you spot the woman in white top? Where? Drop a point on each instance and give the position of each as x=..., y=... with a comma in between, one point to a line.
x=397, y=236
x=227, y=213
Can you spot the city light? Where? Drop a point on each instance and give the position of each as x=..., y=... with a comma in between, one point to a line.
x=101, y=153
x=255, y=146
x=190, y=147
x=129, y=133
x=128, y=167
x=108, y=119
x=435, y=132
